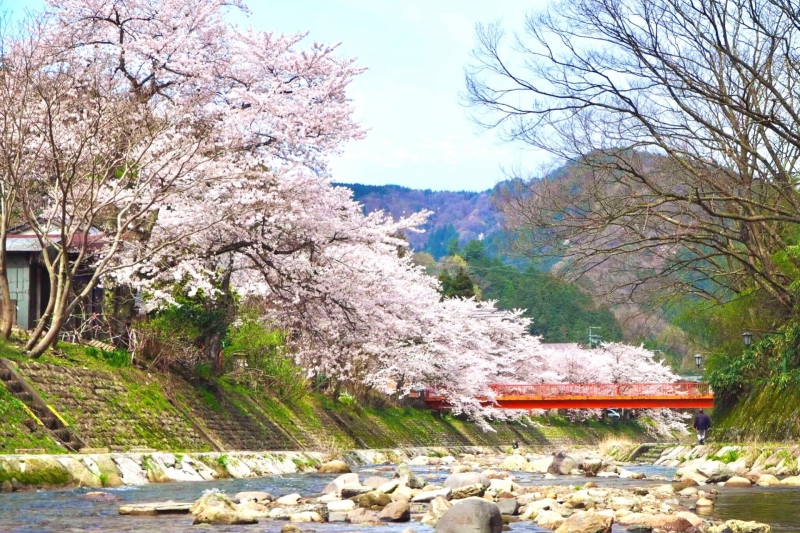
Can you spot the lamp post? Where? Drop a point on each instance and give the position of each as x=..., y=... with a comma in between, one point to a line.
x=747, y=338
x=698, y=360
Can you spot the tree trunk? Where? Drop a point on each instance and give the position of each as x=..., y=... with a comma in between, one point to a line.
x=6, y=308
x=50, y=338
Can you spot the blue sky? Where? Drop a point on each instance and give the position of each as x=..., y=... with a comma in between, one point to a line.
x=415, y=51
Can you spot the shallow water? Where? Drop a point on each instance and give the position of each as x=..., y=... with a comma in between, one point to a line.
x=776, y=506
x=66, y=511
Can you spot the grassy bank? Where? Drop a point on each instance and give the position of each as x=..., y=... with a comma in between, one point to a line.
x=766, y=414
x=124, y=407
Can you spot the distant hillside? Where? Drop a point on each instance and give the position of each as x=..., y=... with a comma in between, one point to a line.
x=463, y=214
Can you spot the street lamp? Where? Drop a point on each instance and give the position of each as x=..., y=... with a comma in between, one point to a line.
x=747, y=338
x=698, y=360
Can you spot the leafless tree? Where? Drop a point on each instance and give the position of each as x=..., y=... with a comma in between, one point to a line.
x=679, y=119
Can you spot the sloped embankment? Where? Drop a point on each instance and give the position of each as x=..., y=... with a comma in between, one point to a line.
x=767, y=414
x=124, y=409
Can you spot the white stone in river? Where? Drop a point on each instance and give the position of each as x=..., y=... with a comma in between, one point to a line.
x=289, y=499
x=341, y=506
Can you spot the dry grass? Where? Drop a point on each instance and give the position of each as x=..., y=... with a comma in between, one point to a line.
x=610, y=443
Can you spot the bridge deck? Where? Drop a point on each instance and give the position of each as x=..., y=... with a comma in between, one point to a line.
x=593, y=396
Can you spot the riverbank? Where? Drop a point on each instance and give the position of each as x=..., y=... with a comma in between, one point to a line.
x=124, y=409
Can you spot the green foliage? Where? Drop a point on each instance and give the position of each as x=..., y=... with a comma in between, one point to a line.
x=560, y=311
x=256, y=355
x=442, y=241
x=460, y=286
x=209, y=399
x=346, y=399
x=773, y=361
x=223, y=461
x=729, y=456
x=116, y=358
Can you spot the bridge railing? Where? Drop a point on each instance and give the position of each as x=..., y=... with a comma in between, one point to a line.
x=552, y=390
x=593, y=390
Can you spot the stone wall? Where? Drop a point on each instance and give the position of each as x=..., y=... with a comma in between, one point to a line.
x=127, y=408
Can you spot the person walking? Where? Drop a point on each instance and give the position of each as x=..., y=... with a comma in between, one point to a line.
x=702, y=423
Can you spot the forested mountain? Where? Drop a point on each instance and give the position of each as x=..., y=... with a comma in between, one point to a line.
x=464, y=215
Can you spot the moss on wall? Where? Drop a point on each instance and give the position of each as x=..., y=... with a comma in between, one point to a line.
x=765, y=415
x=126, y=407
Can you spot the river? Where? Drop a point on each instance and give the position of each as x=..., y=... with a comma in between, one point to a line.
x=67, y=511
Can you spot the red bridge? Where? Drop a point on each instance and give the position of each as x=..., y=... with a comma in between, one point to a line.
x=592, y=396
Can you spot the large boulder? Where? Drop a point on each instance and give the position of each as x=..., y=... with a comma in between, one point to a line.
x=739, y=526
x=767, y=480
x=217, y=508
x=562, y=464
x=399, y=511
x=373, y=499
x=586, y=523
x=541, y=464
x=436, y=509
x=469, y=491
x=660, y=521
x=514, y=462
x=791, y=481
x=549, y=519
x=508, y=506
x=715, y=471
x=408, y=478
x=335, y=486
x=455, y=481
x=592, y=466
x=428, y=495
x=474, y=515
x=334, y=467
x=737, y=481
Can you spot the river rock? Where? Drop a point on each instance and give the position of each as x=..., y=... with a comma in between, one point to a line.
x=253, y=496
x=704, y=502
x=291, y=528
x=334, y=467
x=216, y=508
x=738, y=526
x=468, y=491
x=737, y=481
x=767, y=480
x=621, y=502
x=419, y=460
x=390, y=486
x=663, y=522
x=398, y=511
x=591, y=467
x=549, y=519
x=562, y=464
x=693, y=519
x=363, y=516
x=98, y=496
x=508, y=506
x=436, y=509
x=375, y=482
x=289, y=499
x=514, y=462
x=496, y=486
x=372, y=499
x=715, y=471
x=130, y=471
x=306, y=517
x=455, y=481
x=341, y=506
x=155, y=508
x=541, y=464
x=586, y=523
x=791, y=481
x=428, y=495
x=473, y=515
x=348, y=491
x=336, y=485
x=408, y=478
